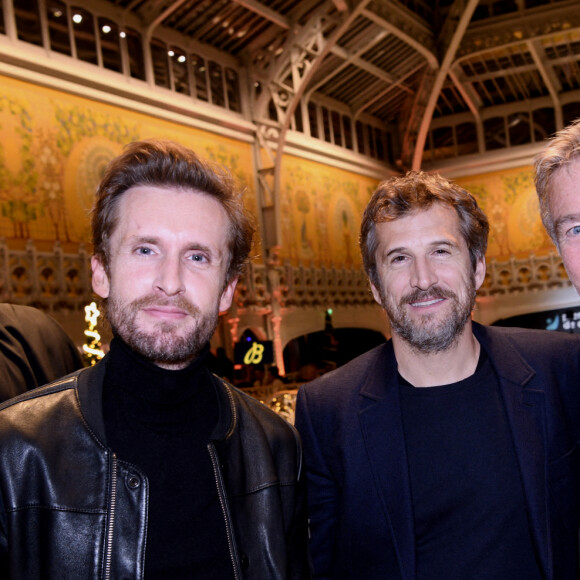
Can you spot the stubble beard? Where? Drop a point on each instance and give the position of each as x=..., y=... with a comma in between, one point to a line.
x=162, y=345
x=428, y=335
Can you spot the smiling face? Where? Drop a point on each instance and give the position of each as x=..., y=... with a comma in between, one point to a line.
x=564, y=206
x=427, y=284
x=165, y=282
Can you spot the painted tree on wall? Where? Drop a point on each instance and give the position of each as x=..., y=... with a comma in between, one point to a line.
x=18, y=197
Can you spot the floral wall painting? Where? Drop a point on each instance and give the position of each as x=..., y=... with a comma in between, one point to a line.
x=510, y=202
x=320, y=211
x=84, y=169
x=19, y=203
x=345, y=229
x=54, y=148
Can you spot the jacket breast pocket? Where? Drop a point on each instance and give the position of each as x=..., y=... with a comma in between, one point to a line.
x=564, y=488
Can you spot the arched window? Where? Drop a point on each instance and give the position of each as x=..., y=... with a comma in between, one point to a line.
x=233, y=92
x=160, y=64
x=58, y=27
x=83, y=25
x=110, y=45
x=494, y=133
x=27, y=17
x=544, y=123
x=178, y=60
x=217, y=84
x=134, y=44
x=466, y=138
x=200, y=75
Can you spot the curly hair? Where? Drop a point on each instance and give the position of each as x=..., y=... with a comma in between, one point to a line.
x=401, y=196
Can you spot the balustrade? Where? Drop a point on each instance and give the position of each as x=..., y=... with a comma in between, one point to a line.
x=54, y=279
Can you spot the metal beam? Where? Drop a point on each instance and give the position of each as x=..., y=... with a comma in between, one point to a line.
x=470, y=97
x=265, y=12
x=440, y=76
x=359, y=107
x=549, y=78
x=414, y=43
x=537, y=23
x=354, y=59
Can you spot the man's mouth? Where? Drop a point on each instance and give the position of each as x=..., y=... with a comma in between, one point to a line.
x=165, y=311
x=428, y=302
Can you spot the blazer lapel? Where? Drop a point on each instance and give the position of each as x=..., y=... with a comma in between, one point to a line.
x=525, y=411
x=382, y=429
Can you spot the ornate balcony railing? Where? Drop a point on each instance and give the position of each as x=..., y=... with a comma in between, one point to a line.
x=54, y=279
x=50, y=280
x=529, y=274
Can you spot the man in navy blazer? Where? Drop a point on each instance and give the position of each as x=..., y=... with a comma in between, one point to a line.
x=451, y=451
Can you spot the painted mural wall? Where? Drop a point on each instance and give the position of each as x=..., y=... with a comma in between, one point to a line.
x=53, y=150
x=54, y=147
x=321, y=212
x=510, y=202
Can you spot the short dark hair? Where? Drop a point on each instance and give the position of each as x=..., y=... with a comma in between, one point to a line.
x=416, y=191
x=163, y=163
x=559, y=151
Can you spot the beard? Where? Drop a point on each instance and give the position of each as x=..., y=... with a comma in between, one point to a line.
x=430, y=335
x=163, y=344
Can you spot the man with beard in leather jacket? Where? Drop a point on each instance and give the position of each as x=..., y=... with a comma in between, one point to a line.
x=147, y=465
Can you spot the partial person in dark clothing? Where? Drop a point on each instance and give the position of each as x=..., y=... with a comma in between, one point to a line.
x=221, y=365
x=147, y=465
x=34, y=350
x=452, y=451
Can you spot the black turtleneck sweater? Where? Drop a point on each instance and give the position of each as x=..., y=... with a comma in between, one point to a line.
x=161, y=421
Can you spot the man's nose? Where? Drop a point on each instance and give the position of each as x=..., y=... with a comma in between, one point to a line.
x=423, y=274
x=170, y=276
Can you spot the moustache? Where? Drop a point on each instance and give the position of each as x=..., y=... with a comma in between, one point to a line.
x=433, y=293
x=177, y=302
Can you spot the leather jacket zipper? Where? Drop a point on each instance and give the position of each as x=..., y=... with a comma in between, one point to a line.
x=223, y=503
x=111, y=526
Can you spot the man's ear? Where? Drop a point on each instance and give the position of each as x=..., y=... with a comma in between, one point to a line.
x=480, y=270
x=228, y=295
x=100, y=280
x=376, y=294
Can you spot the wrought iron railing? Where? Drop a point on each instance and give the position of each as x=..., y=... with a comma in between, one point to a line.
x=53, y=279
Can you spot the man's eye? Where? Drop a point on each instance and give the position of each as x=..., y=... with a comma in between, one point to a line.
x=144, y=251
x=575, y=231
x=198, y=258
x=398, y=259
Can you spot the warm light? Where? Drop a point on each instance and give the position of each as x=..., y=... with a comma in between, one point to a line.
x=92, y=348
x=57, y=13
x=123, y=34
x=170, y=53
x=106, y=29
x=182, y=58
x=77, y=18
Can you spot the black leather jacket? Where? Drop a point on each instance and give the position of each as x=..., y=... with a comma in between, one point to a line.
x=69, y=509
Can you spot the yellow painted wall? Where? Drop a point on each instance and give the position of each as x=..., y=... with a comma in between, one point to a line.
x=321, y=212
x=510, y=202
x=54, y=147
x=53, y=150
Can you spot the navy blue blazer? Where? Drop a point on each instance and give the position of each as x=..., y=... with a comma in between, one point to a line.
x=359, y=491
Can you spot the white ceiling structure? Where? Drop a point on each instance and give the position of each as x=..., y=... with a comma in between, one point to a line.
x=406, y=63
